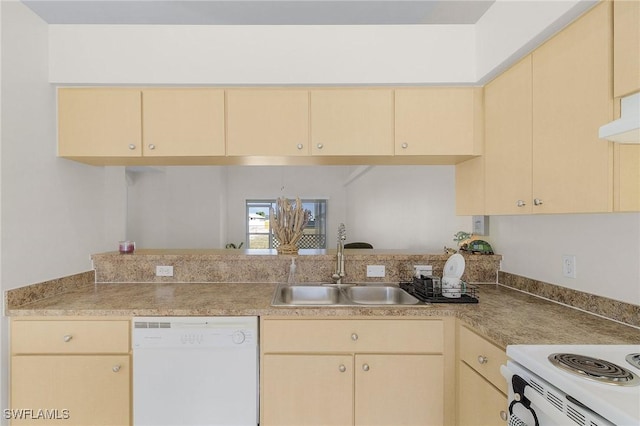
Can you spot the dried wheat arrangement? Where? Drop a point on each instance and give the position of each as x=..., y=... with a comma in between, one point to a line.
x=288, y=223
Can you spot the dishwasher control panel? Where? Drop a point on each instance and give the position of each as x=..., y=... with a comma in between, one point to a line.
x=194, y=332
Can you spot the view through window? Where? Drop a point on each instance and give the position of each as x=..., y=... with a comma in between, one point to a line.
x=260, y=235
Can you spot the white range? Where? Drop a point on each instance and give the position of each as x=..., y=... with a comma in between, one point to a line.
x=590, y=385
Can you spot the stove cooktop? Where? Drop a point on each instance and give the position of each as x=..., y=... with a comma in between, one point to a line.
x=595, y=369
x=618, y=404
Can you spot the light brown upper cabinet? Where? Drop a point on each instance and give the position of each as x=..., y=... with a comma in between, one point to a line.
x=183, y=122
x=99, y=123
x=626, y=47
x=542, y=151
x=626, y=181
x=572, y=98
x=352, y=122
x=508, y=144
x=438, y=121
x=267, y=122
x=126, y=123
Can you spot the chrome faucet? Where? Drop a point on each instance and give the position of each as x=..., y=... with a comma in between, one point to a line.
x=342, y=236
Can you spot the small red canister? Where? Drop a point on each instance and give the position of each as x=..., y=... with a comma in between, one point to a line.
x=126, y=247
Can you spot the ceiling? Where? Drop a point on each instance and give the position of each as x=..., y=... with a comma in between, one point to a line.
x=260, y=12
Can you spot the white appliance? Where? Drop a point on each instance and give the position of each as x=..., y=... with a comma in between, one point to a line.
x=590, y=385
x=626, y=129
x=195, y=371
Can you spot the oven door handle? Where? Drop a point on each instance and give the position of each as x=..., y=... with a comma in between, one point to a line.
x=537, y=400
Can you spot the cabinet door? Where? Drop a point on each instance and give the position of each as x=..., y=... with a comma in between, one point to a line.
x=303, y=390
x=438, y=121
x=508, y=141
x=627, y=178
x=479, y=403
x=352, y=122
x=399, y=390
x=99, y=123
x=268, y=122
x=183, y=122
x=626, y=47
x=572, y=98
x=470, y=187
x=93, y=389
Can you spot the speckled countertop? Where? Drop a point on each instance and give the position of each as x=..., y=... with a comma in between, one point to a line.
x=504, y=315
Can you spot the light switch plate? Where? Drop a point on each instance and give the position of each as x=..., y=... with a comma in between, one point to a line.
x=375, y=271
x=480, y=225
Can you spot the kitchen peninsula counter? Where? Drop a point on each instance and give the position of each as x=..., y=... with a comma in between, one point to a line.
x=504, y=315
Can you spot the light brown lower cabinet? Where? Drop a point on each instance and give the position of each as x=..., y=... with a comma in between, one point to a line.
x=481, y=404
x=347, y=372
x=71, y=372
x=70, y=389
x=481, y=389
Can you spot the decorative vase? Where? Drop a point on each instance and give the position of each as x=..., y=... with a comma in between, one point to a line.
x=288, y=223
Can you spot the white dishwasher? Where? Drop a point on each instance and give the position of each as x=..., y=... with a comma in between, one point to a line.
x=195, y=371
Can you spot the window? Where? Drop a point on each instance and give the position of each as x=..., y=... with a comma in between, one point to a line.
x=260, y=236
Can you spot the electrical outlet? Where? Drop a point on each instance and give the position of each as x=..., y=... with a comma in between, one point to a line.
x=569, y=266
x=164, y=271
x=419, y=270
x=376, y=271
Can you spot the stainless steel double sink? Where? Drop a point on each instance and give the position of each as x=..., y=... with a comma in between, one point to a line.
x=356, y=294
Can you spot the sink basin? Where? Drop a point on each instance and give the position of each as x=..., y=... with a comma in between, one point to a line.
x=385, y=295
x=308, y=295
x=341, y=295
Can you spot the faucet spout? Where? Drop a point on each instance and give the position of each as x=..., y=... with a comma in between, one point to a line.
x=340, y=273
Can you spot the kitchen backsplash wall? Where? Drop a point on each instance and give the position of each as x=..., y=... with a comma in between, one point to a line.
x=627, y=313
x=237, y=266
x=606, y=247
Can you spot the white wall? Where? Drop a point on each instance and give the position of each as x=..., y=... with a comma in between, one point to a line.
x=307, y=54
x=392, y=207
x=511, y=29
x=606, y=246
x=263, y=54
x=176, y=207
x=54, y=213
x=405, y=207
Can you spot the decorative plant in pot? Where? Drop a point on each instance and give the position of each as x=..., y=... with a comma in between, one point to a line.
x=289, y=220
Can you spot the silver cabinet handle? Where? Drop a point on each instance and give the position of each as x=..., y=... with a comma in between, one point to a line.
x=67, y=337
x=299, y=146
x=537, y=202
x=115, y=368
x=152, y=146
x=482, y=359
x=503, y=415
x=365, y=367
x=354, y=337
x=342, y=368
x=132, y=146
x=405, y=145
x=320, y=146
x=521, y=203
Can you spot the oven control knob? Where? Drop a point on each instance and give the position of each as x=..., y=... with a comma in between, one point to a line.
x=238, y=337
x=517, y=397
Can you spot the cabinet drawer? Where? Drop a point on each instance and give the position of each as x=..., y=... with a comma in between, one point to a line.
x=70, y=337
x=380, y=336
x=483, y=356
